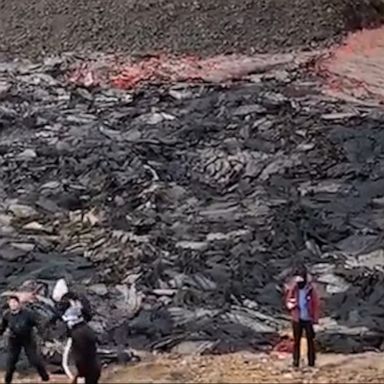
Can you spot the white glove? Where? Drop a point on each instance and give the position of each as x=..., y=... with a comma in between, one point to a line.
x=291, y=304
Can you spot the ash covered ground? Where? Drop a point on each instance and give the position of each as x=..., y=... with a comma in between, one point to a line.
x=181, y=209
x=41, y=27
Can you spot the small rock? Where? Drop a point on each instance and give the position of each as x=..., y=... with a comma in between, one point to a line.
x=84, y=93
x=28, y=154
x=6, y=230
x=131, y=278
x=335, y=284
x=91, y=218
x=34, y=226
x=155, y=118
x=339, y=115
x=379, y=201
x=371, y=260
x=164, y=292
x=280, y=75
x=8, y=112
x=194, y=245
x=193, y=348
x=305, y=147
x=22, y=211
x=256, y=78
x=249, y=109
x=99, y=289
x=51, y=185
x=119, y=201
x=9, y=253
x=217, y=236
x=4, y=88
x=63, y=147
x=47, y=205
x=5, y=219
x=27, y=247
x=180, y=94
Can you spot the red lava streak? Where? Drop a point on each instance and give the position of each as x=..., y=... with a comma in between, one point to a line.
x=166, y=69
x=356, y=68
x=353, y=69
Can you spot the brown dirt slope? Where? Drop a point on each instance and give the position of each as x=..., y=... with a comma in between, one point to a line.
x=253, y=368
x=243, y=368
x=36, y=27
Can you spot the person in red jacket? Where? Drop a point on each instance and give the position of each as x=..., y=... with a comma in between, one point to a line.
x=302, y=301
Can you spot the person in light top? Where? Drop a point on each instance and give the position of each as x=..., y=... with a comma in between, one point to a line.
x=75, y=311
x=302, y=301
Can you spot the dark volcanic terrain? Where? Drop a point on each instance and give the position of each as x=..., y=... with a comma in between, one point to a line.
x=181, y=209
x=40, y=27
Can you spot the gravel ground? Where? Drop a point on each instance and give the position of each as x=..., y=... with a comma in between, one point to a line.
x=252, y=368
x=37, y=27
x=241, y=368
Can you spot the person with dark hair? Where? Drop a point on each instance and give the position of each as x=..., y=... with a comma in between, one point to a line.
x=75, y=311
x=20, y=323
x=302, y=301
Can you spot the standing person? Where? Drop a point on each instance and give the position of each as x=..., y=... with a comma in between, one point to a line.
x=76, y=312
x=20, y=323
x=301, y=300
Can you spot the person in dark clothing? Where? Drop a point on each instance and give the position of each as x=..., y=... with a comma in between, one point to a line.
x=20, y=323
x=75, y=311
x=301, y=299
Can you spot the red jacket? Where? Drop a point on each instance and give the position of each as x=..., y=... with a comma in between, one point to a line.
x=291, y=298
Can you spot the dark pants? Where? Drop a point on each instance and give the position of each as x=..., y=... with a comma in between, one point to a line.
x=298, y=328
x=84, y=351
x=15, y=345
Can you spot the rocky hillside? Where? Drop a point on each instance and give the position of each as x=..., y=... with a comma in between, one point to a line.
x=40, y=27
x=182, y=209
